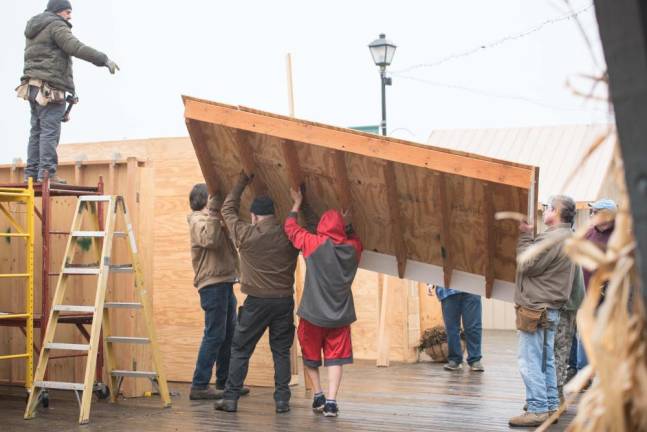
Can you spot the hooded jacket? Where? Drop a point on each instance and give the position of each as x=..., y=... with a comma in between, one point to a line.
x=332, y=258
x=49, y=47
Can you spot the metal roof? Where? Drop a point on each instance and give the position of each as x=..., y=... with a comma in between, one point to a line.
x=556, y=150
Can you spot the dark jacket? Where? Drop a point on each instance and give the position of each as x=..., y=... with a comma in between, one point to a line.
x=600, y=239
x=48, y=50
x=332, y=258
x=267, y=259
x=213, y=254
x=546, y=280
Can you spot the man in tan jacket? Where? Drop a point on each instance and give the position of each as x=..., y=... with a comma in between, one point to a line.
x=544, y=284
x=267, y=262
x=215, y=263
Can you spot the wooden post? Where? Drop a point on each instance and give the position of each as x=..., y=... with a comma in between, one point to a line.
x=290, y=85
x=489, y=240
x=246, y=156
x=78, y=172
x=445, y=234
x=395, y=213
x=383, y=335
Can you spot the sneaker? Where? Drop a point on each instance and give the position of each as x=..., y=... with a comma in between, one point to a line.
x=453, y=366
x=282, y=407
x=331, y=409
x=318, y=403
x=226, y=405
x=477, y=367
x=204, y=394
x=244, y=391
x=528, y=419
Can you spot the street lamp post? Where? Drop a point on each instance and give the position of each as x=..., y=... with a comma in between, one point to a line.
x=382, y=51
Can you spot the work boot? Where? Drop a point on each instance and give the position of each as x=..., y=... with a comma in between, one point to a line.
x=244, y=391
x=282, y=407
x=204, y=394
x=453, y=366
x=528, y=419
x=226, y=405
x=477, y=367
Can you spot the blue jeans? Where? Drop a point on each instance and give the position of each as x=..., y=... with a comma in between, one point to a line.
x=541, y=383
x=467, y=306
x=582, y=360
x=43, y=137
x=219, y=304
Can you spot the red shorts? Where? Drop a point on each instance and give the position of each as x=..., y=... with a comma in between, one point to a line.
x=335, y=343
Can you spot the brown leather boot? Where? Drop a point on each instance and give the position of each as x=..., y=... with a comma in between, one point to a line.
x=528, y=419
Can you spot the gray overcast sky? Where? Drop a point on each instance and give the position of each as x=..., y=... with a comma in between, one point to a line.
x=234, y=52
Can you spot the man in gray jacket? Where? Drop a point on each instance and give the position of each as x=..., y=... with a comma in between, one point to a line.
x=544, y=283
x=49, y=48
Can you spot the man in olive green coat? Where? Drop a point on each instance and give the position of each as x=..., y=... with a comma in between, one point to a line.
x=49, y=48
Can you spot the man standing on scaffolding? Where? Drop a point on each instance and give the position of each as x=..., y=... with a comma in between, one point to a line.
x=47, y=77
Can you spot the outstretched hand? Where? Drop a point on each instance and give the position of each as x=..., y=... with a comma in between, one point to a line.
x=297, y=199
x=112, y=66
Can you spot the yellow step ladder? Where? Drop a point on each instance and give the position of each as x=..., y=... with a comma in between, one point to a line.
x=26, y=197
x=102, y=241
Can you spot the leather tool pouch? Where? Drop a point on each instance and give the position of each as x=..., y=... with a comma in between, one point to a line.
x=529, y=320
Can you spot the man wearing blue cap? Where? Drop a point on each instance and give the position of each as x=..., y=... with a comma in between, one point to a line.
x=603, y=213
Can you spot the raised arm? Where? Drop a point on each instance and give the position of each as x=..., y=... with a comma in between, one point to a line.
x=238, y=228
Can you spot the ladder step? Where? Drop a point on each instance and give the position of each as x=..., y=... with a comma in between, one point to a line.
x=95, y=198
x=115, y=305
x=121, y=268
x=88, y=234
x=73, y=308
x=81, y=270
x=120, y=234
x=128, y=339
x=67, y=346
x=59, y=385
x=133, y=374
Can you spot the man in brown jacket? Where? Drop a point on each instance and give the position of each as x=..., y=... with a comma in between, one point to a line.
x=267, y=263
x=215, y=263
x=544, y=283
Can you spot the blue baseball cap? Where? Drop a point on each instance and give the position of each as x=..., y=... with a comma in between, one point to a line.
x=604, y=204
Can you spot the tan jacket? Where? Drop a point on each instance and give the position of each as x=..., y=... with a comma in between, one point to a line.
x=213, y=254
x=546, y=279
x=267, y=258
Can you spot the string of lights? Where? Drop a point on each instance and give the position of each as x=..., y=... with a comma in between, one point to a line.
x=497, y=42
x=488, y=93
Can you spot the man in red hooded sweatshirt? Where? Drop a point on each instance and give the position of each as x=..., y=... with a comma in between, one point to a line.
x=326, y=311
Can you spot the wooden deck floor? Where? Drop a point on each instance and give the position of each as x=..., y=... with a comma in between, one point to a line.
x=403, y=397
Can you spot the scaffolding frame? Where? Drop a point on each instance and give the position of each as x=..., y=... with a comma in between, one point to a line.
x=24, y=196
x=47, y=190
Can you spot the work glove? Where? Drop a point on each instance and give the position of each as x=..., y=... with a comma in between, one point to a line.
x=215, y=202
x=112, y=66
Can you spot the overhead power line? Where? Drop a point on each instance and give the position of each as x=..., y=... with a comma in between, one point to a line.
x=488, y=93
x=497, y=42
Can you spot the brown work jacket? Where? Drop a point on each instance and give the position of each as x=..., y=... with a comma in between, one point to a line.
x=267, y=258
x=213, y=254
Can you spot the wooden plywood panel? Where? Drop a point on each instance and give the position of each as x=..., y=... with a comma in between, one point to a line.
x=435, y=214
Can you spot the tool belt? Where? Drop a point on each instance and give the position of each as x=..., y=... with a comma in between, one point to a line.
x=46, y=93
x=529, y=320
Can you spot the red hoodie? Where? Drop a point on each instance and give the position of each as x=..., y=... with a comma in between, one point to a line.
x=332, y=258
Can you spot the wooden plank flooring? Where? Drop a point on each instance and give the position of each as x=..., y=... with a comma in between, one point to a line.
x=403, y=397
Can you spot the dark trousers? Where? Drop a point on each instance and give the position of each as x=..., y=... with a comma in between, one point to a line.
x=468, y=307
x=256, y=315
x=43, y=137
x=219, y=304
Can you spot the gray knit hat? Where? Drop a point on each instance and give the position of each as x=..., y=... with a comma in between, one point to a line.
x=56, y=6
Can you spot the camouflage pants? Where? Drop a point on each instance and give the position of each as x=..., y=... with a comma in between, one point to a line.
x=563, y=341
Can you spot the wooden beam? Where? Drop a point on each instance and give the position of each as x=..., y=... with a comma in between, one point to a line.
x=383, y=341
x=241, y=140
x=295, y=175
x=342, y=183
x=533, y=199
x=489, y=240
x=204, y=158
x=395, y=216
x=391, y=149
x=445, y=234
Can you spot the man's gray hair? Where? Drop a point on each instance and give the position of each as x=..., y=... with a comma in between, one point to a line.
x=566, y=207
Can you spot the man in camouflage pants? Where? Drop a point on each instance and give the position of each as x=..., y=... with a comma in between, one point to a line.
x=566, y=330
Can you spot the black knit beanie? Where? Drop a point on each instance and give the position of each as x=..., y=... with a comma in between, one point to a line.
x=262, y=206
x=56, y=6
